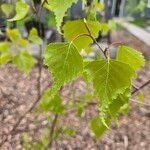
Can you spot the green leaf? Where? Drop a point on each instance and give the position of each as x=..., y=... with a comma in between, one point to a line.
x=125, y=109
x=130, y=56
x=98, y=127
x=33, y=37
x=21, y=11
x=80, y=110
x=105, y=28
x=4, y=47
x=23, y=43
x=112, y=24
x=60, y=8
x=99, y=6
x=64, y=62
x=13, y=34
x=7, y=9
x=118, y=103
x=141, y=6
x=110, y=78
x=68, y=131
x=74, y=28
x=51, y=103
x=24, y=61
x=5, y=58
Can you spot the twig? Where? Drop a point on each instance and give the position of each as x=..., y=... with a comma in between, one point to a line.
x=89, y=31
x=85, y=34
x=44, y=1
x=21, y=118
x=38, y=90
x=135, y=101
x=33, y=6
x=134, y=86
x=115, y=43
x=132, y=100
x=52, y=130
x=142, y=86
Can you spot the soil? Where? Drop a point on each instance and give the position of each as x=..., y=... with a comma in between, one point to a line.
x=19, y=92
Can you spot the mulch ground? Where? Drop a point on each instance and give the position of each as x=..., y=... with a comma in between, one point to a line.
x=19, y=92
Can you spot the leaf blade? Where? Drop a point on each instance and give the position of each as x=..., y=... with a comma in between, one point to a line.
x=21, y=11
x=64, y=62
x=130, y=56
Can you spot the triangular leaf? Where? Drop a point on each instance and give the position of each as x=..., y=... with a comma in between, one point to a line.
x=13, y=34
x=7, y=9
x=4, y=47
x=59, y=8
x=98, y=127
x=64, y=62
x=74, y=28
x=110, y=78
x=130, y=56
x=104, y=28
x=5, y=58
x=33, y=37
x=21, y=11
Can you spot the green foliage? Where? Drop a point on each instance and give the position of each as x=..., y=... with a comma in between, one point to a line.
x=7, y=9
x=110, y=78
x=104, y=28
x=60, y=8
x=130, y=56
x=112, y=24
x=21, y=11
x=13, y=35
x=117, y=104
x=24, y=61
x=20, y=56
x=74, y=28
x=51, y=103
x=64, y=61
x=4, y=47
x=92, y=10
x=68, y=131
x=136, y=6
x=98, y=127
x=33, y=37
x=141, y=6
x=84, y=100
x=5, y=58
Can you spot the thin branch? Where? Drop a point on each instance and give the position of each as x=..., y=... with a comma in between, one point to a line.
x=144, y=104
x=39, y=95
x=141, y=87
x=85, y=34
x=33, y=7
x=23, y=116
x=41, y=7
x=115, y=43
x=44, y=1
x=134, y=86
x=52, y=130
x=94, y=40
x=132, y=100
